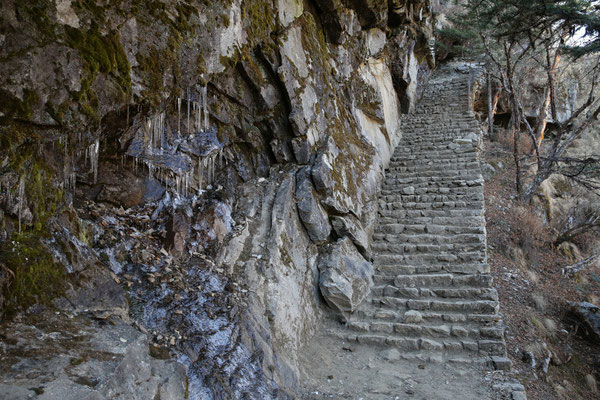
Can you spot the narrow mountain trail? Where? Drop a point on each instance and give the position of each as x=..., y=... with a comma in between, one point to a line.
x=431, y=325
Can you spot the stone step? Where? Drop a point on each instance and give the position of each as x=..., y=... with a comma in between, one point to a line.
x=430, y=170
x=433, y=237
x=457, y=145
x=447, y=346
x=397, y=179
x=427, y=170
x=453, y=186
x=405, y=330
x=439, y=129
x=435, y=280
x=400, y=158
x=430, y=205
x=417, y=220
x=423, y=160
x=426, y=248
x=458, y=213
x=425, y=192
x=369, y=311
x=430, y=201
x=435, y=304
x=425, y=258
x=430, y=177
x=455, y=268
x=424, y=225
x=383, y=288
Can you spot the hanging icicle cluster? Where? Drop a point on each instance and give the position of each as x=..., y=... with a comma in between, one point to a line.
x=197, y=112
x=154, y=130
x=168, y=154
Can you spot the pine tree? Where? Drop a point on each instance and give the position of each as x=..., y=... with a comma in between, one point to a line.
x=516, y=34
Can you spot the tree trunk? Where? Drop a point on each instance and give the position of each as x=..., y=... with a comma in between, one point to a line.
x=490, y=106
x=516, y=157
x=542, y=120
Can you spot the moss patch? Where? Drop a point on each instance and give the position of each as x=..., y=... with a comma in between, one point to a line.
x=37, y=277
x=22, y=143
x=258, y=21
x=13, y=107
x=100, y=54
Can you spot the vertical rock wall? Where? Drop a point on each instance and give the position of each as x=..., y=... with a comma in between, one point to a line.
x=285, y=112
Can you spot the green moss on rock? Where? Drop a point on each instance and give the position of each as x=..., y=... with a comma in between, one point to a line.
x=37, y=277
x=13, y=107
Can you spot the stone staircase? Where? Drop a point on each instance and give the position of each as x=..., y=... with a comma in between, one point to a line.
x=433, y=298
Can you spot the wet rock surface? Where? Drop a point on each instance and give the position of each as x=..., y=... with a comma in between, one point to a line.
x=178, y=168
x=52, y=355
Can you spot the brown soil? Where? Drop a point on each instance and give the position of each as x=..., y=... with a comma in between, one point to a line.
x=533, y=292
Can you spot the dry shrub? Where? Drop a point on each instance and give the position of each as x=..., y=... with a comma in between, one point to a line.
x=527, y=229
x=506, y=141
x=587, y=242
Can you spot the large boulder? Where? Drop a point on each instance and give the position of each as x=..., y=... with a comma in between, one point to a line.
x=346, y=277
x=589, y=316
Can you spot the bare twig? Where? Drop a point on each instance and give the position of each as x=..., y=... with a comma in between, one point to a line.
x=570, y=270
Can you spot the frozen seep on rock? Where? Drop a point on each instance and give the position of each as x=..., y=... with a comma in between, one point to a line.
x=215, y=164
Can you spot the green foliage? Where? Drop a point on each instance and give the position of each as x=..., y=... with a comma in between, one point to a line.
x=37, y=277
x=517, y=20
x=13, y=107
x=258, y=23
x=101, y=54
x=458, y=41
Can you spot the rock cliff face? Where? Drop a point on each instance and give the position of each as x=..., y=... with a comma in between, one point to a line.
x=191, y=167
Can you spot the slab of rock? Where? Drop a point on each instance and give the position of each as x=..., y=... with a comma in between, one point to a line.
x=178, y=230
x=350, y=226
x=346, y=277
x=313, y=216
x=59, y=356
x=412, y=317
x=589, y=315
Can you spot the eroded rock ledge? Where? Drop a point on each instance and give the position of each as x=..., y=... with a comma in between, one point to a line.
x=183, y=167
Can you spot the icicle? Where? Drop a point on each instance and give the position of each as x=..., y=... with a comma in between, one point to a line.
x=160, y=131
x=421, y=14
x=205, y=107
x=187, y=182
x=179, y=115
x=200, y=172
x=188, y=110
x=212, y=169
x=196, y=113
x=94, y=151
x=21, y=193
x=148, y=134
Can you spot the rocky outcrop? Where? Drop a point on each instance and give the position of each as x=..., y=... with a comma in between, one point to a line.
x=200, y=152
x=346, y=278
x=588, y=315
x=64, y=356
